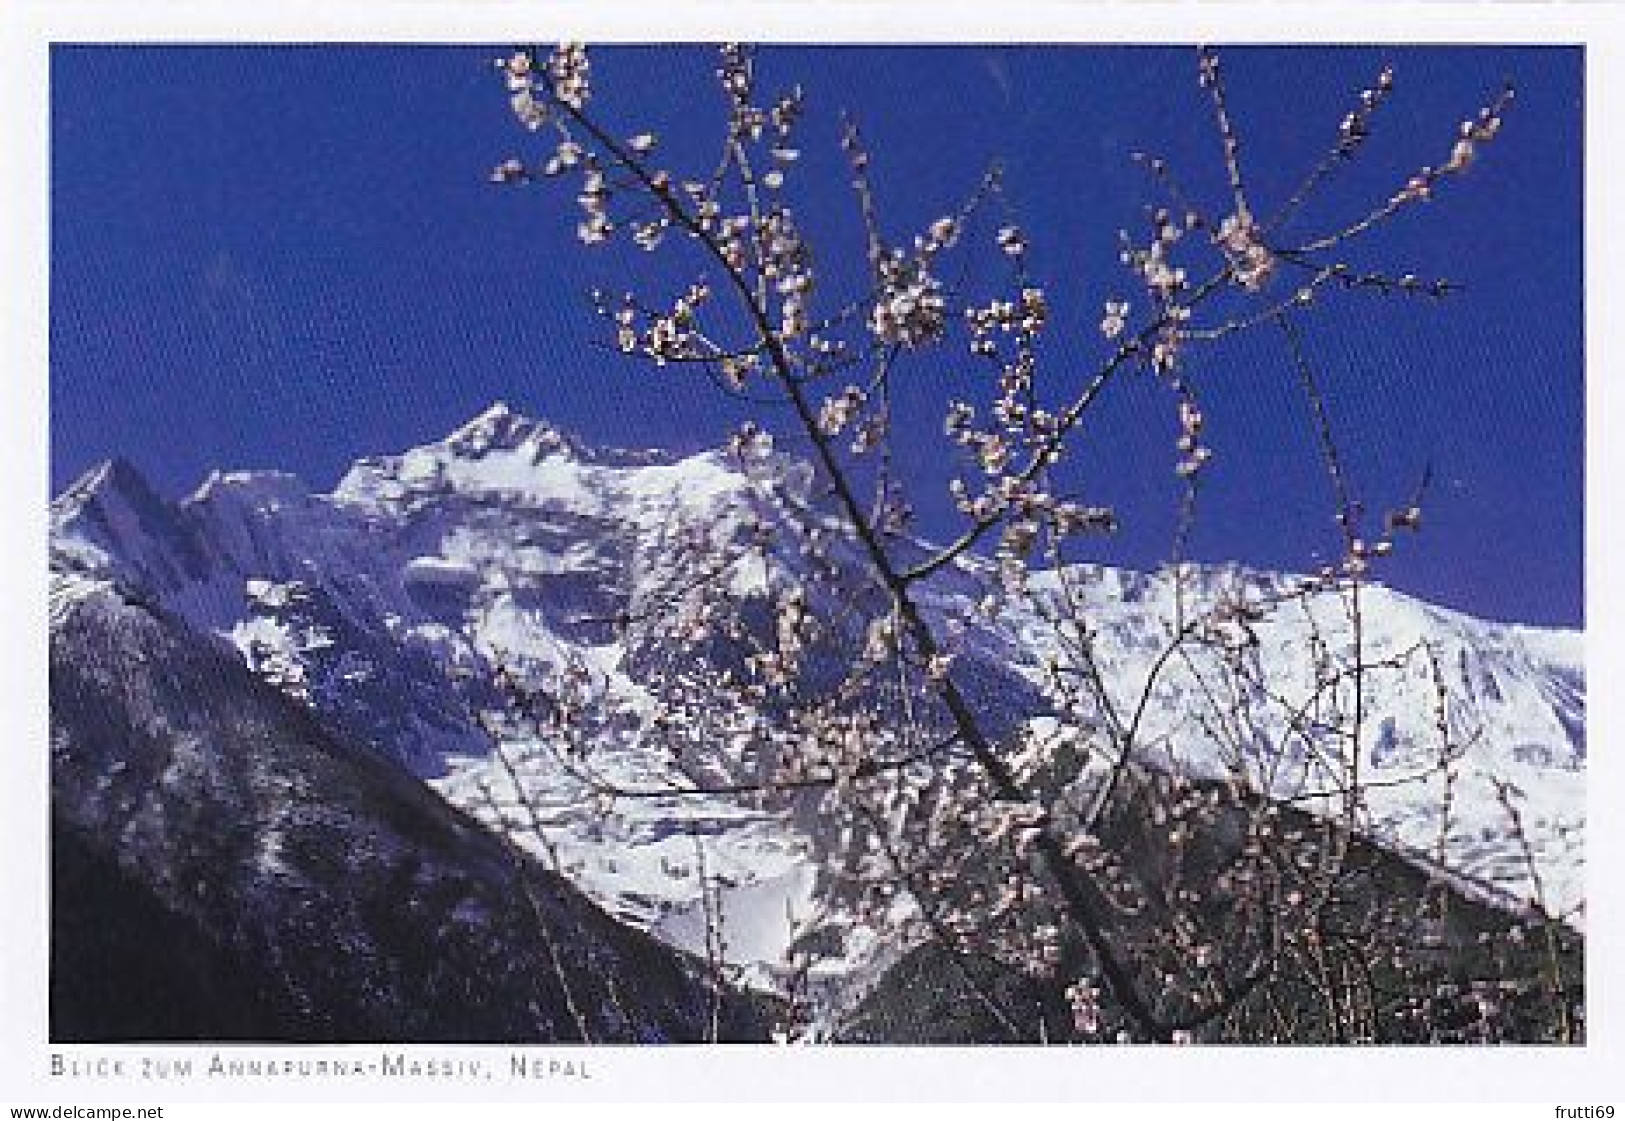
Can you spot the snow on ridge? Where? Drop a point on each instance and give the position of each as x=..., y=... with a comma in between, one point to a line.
x=1515, y=714
x=497, y=423
x=513, y=459
x=499, y=454
x=256, y=487
x=68, y=590
x=442, y=571
x=111, y=476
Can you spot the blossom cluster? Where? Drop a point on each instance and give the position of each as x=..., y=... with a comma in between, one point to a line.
x=910, y=308
x=1356, y=126
x=664, y=337
x=565, y=82
x=1251, y=261
x=1193, y=453
x=1471, y=135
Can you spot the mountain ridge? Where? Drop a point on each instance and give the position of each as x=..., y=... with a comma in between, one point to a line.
x=388, y=604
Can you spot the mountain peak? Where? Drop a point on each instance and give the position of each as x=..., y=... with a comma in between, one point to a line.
x=113, y=485
x=111, y=476
x=502, y=428
x=113, y=523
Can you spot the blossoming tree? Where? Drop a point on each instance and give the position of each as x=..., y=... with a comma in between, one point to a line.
x=1079, y=878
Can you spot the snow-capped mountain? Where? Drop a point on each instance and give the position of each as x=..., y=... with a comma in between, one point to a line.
x=1465, y=722
x=390, y=605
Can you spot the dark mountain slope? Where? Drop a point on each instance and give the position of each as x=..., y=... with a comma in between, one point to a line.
x=224, y=868
x=1399, y=954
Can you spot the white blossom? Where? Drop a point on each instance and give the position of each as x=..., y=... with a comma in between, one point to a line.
x=1115, y=319
x=1251, y=262
x=1083, y=997
x=568, y=69
x=910, y=308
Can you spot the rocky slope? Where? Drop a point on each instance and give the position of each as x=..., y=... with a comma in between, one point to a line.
x=387, y=609
x=226, y=867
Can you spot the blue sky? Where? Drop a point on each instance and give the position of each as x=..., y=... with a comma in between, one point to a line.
x=290, y=257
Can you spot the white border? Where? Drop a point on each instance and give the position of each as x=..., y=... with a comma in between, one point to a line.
x=1579, y=1076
